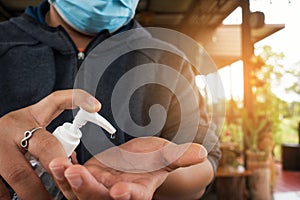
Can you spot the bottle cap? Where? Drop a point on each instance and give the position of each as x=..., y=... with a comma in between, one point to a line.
x=83, y=117
x=69, y=134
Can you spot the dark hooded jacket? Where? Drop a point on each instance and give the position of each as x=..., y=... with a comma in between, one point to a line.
x=36, y=60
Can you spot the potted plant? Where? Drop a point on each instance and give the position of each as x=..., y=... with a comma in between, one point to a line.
x=260, y=127
x=257, y=139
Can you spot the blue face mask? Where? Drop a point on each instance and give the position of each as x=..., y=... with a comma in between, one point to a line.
x=93, y=16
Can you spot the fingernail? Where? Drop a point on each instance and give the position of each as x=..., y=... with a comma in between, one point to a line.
x=74, y=180
x=58, y=172
x=94, y=102
x=203, y=153
x=125, y=196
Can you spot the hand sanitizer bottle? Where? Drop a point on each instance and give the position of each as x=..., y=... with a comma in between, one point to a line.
x=69, y=134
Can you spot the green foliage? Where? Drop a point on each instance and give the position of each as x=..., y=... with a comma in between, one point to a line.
x=232, y=129
x=273, y=68
x=232, y=133
x=271, y=121
x=254, y=126
x=287, y=134
x=288, y=130
x=261, y=124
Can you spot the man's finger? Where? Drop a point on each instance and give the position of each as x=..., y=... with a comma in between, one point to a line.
x=130, y=190
x=84, y=185
x=51, y=106
x=19, y=174
x=42, y=144
x=184, y=155
x=58, y=167
x=44, y=147
x=47, y=148
x=4, y=194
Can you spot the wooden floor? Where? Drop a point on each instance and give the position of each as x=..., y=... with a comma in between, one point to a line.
x=287, y=186
x=287, y=181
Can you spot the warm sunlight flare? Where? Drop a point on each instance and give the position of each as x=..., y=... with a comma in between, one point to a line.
x=286, y=41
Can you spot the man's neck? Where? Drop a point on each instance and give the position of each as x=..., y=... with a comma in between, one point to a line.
x=53, y=19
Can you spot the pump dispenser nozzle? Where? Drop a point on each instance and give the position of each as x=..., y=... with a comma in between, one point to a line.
x=69, y=134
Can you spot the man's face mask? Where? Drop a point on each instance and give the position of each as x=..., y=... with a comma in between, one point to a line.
x=93, y=16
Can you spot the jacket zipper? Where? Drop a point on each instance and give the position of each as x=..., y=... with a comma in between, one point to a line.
x=81, y=56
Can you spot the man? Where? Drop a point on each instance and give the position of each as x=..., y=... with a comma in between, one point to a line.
x=40, y=53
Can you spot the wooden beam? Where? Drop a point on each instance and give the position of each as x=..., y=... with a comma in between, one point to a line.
x=247, y=53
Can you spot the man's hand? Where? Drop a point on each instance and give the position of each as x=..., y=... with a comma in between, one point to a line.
x=133, y=170
x=14, y=167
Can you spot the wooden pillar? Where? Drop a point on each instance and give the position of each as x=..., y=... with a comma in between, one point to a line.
x=231, y=188
x=247, y=53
